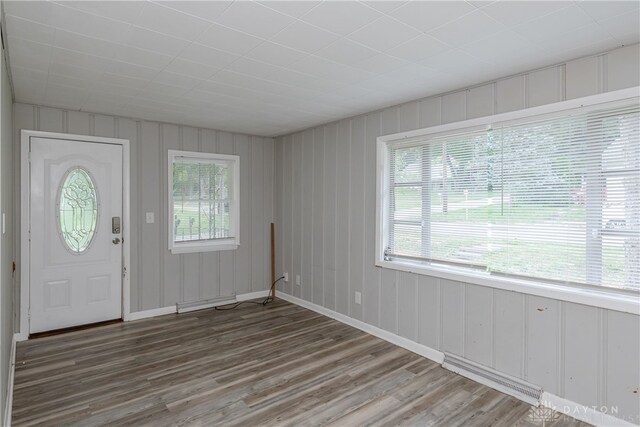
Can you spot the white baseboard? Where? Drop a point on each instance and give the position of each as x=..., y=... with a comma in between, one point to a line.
x=588, y=414
x=172, y=308
x=150, y=313
x=575, y=410
x=422, y=350
x=19, y=336
x=252, y=295
x=8, y=405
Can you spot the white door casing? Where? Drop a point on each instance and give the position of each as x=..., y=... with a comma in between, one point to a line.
x=78, y=279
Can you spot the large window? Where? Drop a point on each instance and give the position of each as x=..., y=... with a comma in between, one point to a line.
x=203, y=202
x=548, y=199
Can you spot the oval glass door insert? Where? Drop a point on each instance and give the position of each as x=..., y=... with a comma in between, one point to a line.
x=77, y=210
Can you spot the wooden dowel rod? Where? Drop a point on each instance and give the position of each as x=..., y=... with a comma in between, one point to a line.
x=273, y=258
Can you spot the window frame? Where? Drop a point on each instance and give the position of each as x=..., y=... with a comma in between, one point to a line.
x=207, y=245
x=610, y=298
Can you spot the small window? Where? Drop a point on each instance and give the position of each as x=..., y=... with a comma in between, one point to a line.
x=203, y=202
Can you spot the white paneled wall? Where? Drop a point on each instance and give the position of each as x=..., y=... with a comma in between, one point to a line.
x=7, y=284
x=325, y=211
x=158, y=278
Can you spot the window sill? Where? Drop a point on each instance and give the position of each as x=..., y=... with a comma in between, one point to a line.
x=188, y=248
x=608, y=299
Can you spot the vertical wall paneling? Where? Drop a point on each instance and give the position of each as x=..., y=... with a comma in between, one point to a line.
x=128, y=129
x=78, y=122
x=542, y=342
x=510, y=94
x=622, y=388
x=267, y=211
x=330, y=150
x=190, y=263
x=318, y=216
x=430, y=112
x=153, y=244
x=544, y=86
x=407, y=294
x=388, y=279
x=307, y=216
x=343, y=294
x=479, y=324
x=24, y=117
x=507, y=332
x=408, y=116
x=581, y=336
x=452, y=320
x=227, y=258
x=357, y=213
x=7, y=279
x=583, y=77
x=278, y=198
x=243, y=272
x=287, y=211
x=623, y=68
x=371, y=285
x=389, y=300
x=50, y=119
x=172, y=288
x=296, y=211
x=454, y=106
x=257, y=213
x=428, y=312
x=480, y=101
x=104, y=126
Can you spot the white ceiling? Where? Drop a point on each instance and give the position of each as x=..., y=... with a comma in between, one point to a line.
x=268, y=68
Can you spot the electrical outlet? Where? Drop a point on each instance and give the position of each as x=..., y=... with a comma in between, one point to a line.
x=286, y=276
x=297, y=279
x=150, y=218
x=358, y=297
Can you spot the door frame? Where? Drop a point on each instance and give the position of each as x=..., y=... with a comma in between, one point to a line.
x=25, y=215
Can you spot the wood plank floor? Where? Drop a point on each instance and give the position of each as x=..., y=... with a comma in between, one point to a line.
x=274, y=365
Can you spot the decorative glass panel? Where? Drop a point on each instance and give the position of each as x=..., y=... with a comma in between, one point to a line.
x=78, y=210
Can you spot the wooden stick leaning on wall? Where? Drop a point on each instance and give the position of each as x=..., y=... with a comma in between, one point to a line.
x=273, y=259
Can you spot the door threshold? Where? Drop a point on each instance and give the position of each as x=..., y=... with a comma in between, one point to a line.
x=73, y=329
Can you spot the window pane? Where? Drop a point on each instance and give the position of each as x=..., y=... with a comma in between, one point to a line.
x=77, y=210
x=201, y=200
x=408, y=203
x=555, y=199
x=462, y=200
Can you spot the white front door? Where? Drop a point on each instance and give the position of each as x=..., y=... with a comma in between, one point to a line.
x=75, y=233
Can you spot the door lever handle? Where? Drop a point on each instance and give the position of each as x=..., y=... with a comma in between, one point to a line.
x=116, y=240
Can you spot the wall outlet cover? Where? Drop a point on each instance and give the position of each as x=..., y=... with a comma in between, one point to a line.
x=358, y=297
x=298, y=279
x=150, y=218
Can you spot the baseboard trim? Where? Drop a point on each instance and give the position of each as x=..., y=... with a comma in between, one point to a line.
x=172, y=308
x=588, y=414
x=572, y=409
x=20, y=336
x=422, y=350
x=8, y=405
x=150, y=313
x=252, y=295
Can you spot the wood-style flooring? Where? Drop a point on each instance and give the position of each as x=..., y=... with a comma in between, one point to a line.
x=274, y=365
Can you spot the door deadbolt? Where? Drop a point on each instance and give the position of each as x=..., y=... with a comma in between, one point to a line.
x=115, y=225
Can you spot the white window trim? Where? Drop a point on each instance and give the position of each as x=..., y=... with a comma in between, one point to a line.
x=613, y=299
x=231, y=243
